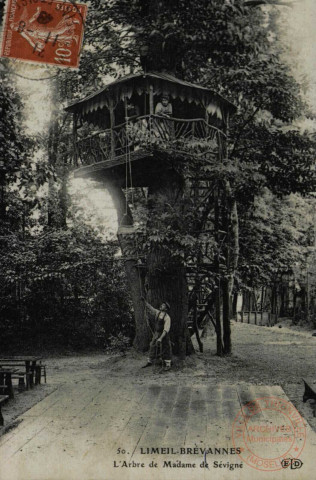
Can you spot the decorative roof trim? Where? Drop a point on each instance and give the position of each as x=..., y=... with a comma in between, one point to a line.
x=123, y=87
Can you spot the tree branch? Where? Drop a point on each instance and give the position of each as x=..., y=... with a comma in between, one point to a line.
x=249, y=119
x=258, y=3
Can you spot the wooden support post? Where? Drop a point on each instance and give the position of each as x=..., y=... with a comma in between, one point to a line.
x=8, y=383
x=207, y=128
x=242, y=316
x=269, y=319
x=2, y=384
x=75, y=139
x=307, y=291
x=21, y=386
x=256, y=317
x=112, y=125
x=249, y=316
x=127, y=140
x=29, y=376
x=195, y=325
x=151, y=109
x=125, y=109
x=151, y=100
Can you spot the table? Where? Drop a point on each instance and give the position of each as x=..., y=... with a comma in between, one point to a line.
x=31, y=369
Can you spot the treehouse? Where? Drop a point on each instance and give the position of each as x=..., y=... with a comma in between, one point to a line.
x=128, y=125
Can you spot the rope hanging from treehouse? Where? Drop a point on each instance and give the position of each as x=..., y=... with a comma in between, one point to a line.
x=130, y=230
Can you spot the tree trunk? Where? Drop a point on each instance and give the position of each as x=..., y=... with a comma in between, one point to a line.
x=166, y=281
x=230, y=221
x=273, y=299
x=226, y=317
x=219, y=346
x=234, y=229
x=2, y=196
x=194, y=310
x=52, y=201
x=57, y=203
x=63, y=199
x=134, y=277
x=262, y=299
x=235, y=300
x=166, y=275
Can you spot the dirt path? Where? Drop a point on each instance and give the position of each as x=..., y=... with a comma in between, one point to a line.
x=261, y=356
x=269, y=356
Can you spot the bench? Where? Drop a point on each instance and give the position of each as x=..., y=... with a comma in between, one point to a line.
x=310, y=392
x=28, y=375
x=33, y=368
x=24, y=380
x=3, y=399
x=42, y=371
x=6, y=386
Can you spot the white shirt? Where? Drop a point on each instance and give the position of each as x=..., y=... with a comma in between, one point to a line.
x=160, y=314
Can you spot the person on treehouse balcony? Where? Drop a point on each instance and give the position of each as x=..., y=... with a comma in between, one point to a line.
x=136, y=130
x=161, y=339
x=132, y=110
x=164, y=127
x=164, y=107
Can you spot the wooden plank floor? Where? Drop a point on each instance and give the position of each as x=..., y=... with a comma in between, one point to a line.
x=81, y=429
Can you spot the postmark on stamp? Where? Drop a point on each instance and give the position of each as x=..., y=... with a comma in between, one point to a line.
x=271, y=434
x=44, y=31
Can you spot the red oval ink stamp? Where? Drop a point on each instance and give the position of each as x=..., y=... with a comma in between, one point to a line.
x=44, y=31
x=270, y=433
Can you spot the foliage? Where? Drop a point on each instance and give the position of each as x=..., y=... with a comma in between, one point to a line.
x=224, y=45
x=62, y=288
x=19, y=167
x=13, y=149
x=274, y=234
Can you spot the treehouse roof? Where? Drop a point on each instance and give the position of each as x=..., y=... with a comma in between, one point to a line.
x=139, y=84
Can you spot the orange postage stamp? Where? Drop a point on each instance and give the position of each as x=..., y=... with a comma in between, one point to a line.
x=44, y=31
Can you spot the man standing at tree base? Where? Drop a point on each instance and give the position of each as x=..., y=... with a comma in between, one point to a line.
x=161, y=340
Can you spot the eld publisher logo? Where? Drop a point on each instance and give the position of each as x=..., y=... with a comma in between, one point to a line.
x=293, y=463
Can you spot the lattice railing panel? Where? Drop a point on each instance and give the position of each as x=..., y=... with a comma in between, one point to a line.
x=189, y=135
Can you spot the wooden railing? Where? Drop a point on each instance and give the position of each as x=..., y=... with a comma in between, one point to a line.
x=149, y=131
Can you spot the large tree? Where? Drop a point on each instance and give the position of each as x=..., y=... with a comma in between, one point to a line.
x=235, y=49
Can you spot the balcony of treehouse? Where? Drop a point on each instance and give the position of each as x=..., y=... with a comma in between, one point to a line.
x=140, y=137
x=140, y=119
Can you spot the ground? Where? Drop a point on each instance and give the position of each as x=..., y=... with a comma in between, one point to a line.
x=261, y=356
x=80, y=385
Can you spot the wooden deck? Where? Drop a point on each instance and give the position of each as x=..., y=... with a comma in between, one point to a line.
x=137, y=138
x=89, y=170
x=77, y=431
